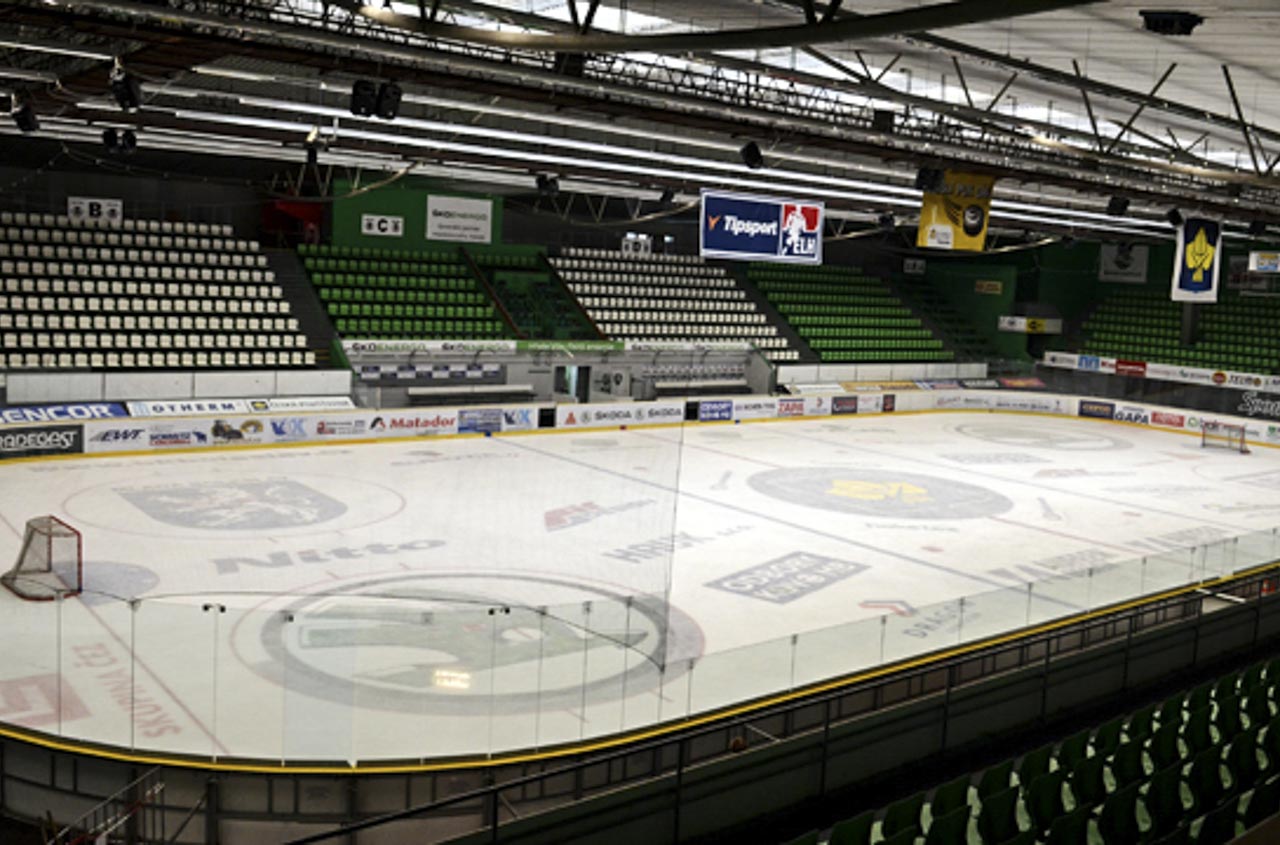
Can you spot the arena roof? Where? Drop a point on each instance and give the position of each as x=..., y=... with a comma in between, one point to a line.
x=1069, y=101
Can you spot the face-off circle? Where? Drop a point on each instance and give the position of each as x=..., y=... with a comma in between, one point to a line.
x=446, y=643
x=880, y=493
x=1019, y=436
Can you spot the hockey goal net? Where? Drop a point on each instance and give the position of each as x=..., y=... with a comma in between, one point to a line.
x=50, y=562
x=1222, y=435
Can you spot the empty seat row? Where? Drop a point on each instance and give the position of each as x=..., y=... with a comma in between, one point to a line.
x=575, y=252
x=127, y=224
x=73, y=264
x=120, y=287
x=43, y=243
x=148, y=340
x=154, y=360
x=72, y=305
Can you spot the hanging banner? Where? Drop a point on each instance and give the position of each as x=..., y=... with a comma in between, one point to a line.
x=1264, y=262
x=955, y=215
x=1123, y=264
x=750, y=228
x=1195, y=264
x=459, y=219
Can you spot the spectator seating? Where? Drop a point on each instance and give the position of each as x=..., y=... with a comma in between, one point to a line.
x=1200, y=767
x=537, y=302
x=138, y=294
x=845, y=316
x=666, y=297
x=392, y=293
x=1144, y=325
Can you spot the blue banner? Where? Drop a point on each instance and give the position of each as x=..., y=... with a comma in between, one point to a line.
x=760, y=229
x=1195, y=261
x=63, y=413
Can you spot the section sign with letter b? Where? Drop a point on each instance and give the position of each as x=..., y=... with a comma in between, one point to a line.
x=760, y=228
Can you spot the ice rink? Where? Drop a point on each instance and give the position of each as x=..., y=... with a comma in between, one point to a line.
x=470, y=595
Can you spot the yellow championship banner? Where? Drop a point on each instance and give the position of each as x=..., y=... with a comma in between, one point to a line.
x=953, y=215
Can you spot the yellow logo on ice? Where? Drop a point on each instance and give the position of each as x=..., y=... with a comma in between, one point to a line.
x=1199, y=256
x=874, y=491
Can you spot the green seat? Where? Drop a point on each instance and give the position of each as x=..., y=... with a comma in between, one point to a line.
x=1044, y=800
x=810, y=838
x=1088, y=784
x=1257, y=707
x=1107, y=737
x=1163, y=747
x=854, y=831
x=1219, y=825
x=1225, y=687
x=1226, y=718
x=903, y=837
x=1070, y=829
x=950, y=797
x=1196, y=733
x=950, y=829
x=1072, y=750
x=1200, y=697
x=1140, y=724
x=1164, y=802
x=1034, y=764
x=995, y=779
x=1170, y=710
x=1118, y=821
x=1263, y=803
x=1242, y=761
x=902, y=815
x=998, y=817
x=1204, y=779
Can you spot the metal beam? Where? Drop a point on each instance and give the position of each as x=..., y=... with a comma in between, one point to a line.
x=573, y=13
x=935, y=16
x=1088, y=107
x=810, y=14
x=590, y=16
x=964, y=85
x=1244, y=126
x=1141, y=107
x=1003, y=88
x=830, y=13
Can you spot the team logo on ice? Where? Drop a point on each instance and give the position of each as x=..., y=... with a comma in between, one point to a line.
x=239, y=505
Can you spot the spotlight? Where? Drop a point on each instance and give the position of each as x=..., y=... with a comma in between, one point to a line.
x=882, y=120
x=751, y=155
x=1170, y=23
x=929, y=179
x=1118, y=206
x=886, y=222
x=123, y=142
x=388, y=105
x=548, y=186
x=1174, y=216
x=1257, y=228
x=667, y=196
x=125, y=88
x=364, y=98
x=23, y=113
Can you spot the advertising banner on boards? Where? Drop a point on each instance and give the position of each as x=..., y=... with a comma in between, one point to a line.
x=750, y=228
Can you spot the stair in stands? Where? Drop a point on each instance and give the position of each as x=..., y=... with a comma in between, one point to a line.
x=313, y=322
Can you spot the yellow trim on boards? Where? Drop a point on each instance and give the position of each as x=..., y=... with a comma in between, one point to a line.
x=617, y=740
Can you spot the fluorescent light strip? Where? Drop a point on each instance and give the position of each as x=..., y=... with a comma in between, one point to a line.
x=37, y=47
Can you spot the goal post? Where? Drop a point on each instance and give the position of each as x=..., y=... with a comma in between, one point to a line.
x=1222, y=435
x=50, y=562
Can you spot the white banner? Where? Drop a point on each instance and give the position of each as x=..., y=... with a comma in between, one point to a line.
x=459, y=219
x=95, y=208
x=404, y=347
x=1169, y=372
x=381, y=225
x=619, y=413
x=1264, y=262
x=188, y=407
x=1124, y=264
x=755, y=408
x=428, y=421
x=293, y=404
x=1030, y=325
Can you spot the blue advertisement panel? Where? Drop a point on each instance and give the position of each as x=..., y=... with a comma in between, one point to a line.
x=751, y=228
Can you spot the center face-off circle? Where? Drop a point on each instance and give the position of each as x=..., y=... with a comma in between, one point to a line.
x=880, y=493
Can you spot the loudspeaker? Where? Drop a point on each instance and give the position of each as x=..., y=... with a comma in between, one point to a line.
x=929, y=179
x=364, y=98
x=24, y=116
x=1174, y=216
x=126, y=89
x=1118, y=206
x=751, y=155
x=388, y=105
x=1257, y=228
x=882, y=120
